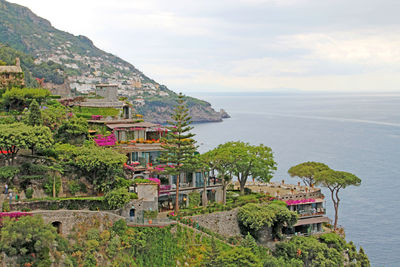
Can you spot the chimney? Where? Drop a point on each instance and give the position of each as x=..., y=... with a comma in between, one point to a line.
x=17, y=62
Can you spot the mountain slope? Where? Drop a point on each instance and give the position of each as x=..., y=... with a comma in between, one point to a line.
x=83, y=64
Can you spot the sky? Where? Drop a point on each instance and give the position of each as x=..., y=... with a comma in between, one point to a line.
x=244, y=45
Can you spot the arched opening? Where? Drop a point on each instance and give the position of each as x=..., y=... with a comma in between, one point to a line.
x=58, y=226
x=132, y=214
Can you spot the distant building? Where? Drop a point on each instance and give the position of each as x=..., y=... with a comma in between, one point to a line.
x=11, y=76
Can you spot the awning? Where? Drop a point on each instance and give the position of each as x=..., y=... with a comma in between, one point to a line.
x=313, y=220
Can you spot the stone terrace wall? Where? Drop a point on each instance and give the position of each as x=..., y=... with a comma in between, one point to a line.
x=70, y=218
x=224, y=222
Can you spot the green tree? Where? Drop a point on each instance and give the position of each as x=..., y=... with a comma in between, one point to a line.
x=40, y=137
x=100, y=165
x=221, y=159
x=29, y=239
x=237, y=257
x=34, y=115
x=117, y=198
x=249, y=161
x=74, y=130
x=14, y=137
x=306, y=171
x=179, y=146
x=310, y=251
x=362, y=259
x=18, y=99
x=334, y=181
x=255, y=216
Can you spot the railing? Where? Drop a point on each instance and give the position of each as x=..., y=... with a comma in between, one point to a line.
x=307, y=213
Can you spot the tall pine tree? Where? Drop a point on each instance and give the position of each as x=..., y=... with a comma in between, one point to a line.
x=179, y=146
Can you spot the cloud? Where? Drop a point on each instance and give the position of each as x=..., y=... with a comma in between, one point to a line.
x=243, y=44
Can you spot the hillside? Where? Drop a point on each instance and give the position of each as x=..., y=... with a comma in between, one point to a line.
x=80, y=64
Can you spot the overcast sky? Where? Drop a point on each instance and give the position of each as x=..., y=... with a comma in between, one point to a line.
x=244, y=45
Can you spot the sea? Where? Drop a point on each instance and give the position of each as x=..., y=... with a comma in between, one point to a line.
x=357, y=133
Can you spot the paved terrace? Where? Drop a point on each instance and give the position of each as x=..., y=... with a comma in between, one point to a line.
x=284, y=191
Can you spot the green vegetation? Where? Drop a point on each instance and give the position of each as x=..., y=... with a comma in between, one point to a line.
x=334, y=181
x=49, y=71
x=306, y=171
x=20, y=98
x=30, y=240
x=34, y=114
x=87, y=112
x=119, y=245
x=73, y=130
x=117, y=198
x=179, y=146
x=253, y=217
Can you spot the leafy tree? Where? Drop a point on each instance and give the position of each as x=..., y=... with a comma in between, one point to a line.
x=40, y=137
x=237, y=257
x=29, y=239
x=117, y=198
x=17, y=98
x=179, y=147
x=306, y=171
x=362, y=258
x=100, y=165
x=72, y=129
x=221, y=160
x=14, y=137
x=310, y=251
x=334, y=181
x=255, y=216
x=248, y=161
x=34, y=115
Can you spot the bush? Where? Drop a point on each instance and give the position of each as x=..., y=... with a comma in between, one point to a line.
x=74, y=187
x=6, y=206
x=29, y=192
x=194, y=199
x=48, y=185
x=117, y=198
x=150, y=214
x=7, y=173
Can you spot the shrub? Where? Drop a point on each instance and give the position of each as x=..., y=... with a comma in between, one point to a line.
x=48, y=185
x=150, y=214
x=7, y=173
x=194, y=199
x=6, y=206
x=117, y=198
x=29, y=192
x=74, y=187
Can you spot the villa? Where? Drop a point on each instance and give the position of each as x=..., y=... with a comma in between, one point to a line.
x=307, y=202
x=140, y=141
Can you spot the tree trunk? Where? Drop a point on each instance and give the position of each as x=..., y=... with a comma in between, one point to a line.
x=242, y=183
x=177, y=194
x=224, y=186
x=204, y=199
x=336, y=206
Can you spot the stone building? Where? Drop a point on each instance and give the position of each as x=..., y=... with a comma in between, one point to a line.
x=11, y=76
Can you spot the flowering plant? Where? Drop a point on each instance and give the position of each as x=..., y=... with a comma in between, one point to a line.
x=105, y=140
x=299, y=201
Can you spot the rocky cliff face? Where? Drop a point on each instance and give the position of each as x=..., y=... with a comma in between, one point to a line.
x=199, y=113
x=69, y=62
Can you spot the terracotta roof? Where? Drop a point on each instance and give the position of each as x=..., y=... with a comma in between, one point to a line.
x=10, y=69
x=313, y=220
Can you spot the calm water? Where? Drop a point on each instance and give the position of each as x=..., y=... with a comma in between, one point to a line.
x=358, y=134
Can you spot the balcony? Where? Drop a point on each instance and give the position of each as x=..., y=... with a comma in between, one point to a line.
x=311, y=213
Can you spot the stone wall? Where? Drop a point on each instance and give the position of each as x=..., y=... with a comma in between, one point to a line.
x=65, y=220
x=224, y=222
